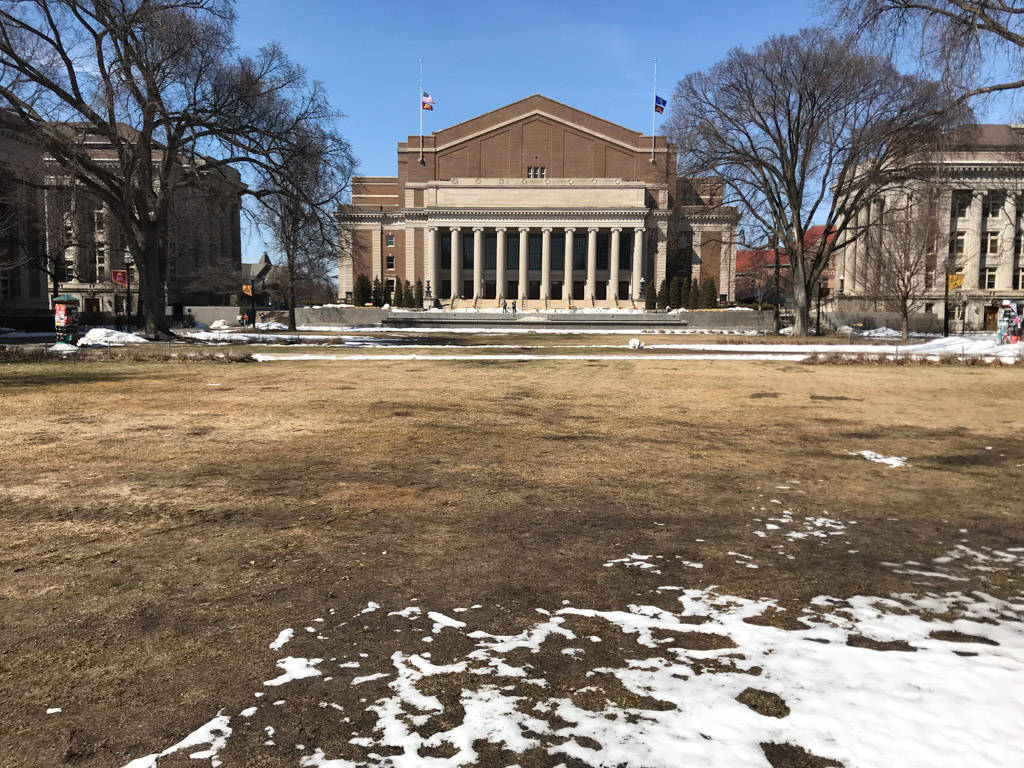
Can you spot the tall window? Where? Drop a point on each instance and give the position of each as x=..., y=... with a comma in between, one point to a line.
x=446, y=250
x=958, y=243
x=603, y=249
x=512, y=251
x=557, y=251
x=536, y=172
x=990, y=243
x=389, y=240
x=993, y=205
x=490, y=250
x=579, y=252
x=961, y=204
x=988, y=278
x=467, y=251
x=7, y=284
x=389, y=261
x=534, y=246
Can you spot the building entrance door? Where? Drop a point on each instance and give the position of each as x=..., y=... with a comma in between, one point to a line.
x=92, y=305
x=991, y=318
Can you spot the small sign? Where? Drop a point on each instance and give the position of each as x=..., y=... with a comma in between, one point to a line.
x=120, y=277
x=956, y=280
x=247, y=289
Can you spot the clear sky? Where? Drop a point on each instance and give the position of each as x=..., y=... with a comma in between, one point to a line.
x=477, y=56
x=595, y=55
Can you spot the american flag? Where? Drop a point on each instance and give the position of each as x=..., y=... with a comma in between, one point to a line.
x=428, y=103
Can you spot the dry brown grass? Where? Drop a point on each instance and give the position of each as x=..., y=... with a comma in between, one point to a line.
x=163, y=522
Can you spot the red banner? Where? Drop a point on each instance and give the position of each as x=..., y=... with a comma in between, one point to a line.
x=120, y=277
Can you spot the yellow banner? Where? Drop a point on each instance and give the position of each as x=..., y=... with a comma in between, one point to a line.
x=247, y=289
x=956, y=280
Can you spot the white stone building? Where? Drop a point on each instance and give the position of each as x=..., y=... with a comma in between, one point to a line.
x=980, y=174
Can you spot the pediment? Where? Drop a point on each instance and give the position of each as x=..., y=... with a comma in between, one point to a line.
x=530, y=111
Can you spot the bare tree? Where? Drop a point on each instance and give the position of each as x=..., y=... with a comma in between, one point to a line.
x=805, y=129
x=757, y=281
x=959, y=39
x=160, y=83
x=901, y=247
x=300, y=208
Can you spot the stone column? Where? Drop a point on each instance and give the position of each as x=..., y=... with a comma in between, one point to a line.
x=545, y=263
x=591, y=291
x=1004, y=269
x=499, y=266
x=661, y=253
x=971, y=261
x=433, y=257
x=456, y=261
x=478, y=263
x=613, y=265
x=638, y=263
x=567, y=273
x=524, y=263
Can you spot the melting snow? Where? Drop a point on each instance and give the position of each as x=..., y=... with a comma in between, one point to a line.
x=295, y=669
x=283, y=637
x=891, y=461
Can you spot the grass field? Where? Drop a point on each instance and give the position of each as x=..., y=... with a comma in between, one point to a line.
x=572, y=563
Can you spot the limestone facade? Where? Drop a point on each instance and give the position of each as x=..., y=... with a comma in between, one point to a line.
x=536, y=202
x=980, y=174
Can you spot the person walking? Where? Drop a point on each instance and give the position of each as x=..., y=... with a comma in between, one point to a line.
x=513, y=306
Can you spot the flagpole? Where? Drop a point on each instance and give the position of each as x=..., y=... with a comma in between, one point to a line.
x=654, y=99
x=419, y=105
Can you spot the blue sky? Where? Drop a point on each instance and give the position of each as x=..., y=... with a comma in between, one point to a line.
x=595, y=55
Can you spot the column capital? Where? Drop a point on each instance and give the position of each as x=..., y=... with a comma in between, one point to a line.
x=616, y=229
x=593, y=229
x=639, y=229
x=432, y=228
x=524, y=229
x=500, y=229
x=569, y=229
x=455, y=229
x=546, y=229
x=478, y=229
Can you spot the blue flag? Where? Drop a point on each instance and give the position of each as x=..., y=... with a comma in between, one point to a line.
x=659, y=104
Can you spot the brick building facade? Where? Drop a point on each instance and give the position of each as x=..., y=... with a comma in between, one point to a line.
x=539, y=202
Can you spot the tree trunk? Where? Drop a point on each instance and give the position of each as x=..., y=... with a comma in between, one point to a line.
x=291, y=292
x=905, y=324
x=151, y=292
x=801, y=309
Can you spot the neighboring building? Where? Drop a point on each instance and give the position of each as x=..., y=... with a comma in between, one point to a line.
x=980, y=173
x=755, y=273
x=204, y=249
x=23, y=298
x=539, y=202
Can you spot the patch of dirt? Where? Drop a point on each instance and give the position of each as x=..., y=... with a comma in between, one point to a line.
x=860, y=641
x=764, y=702
x=792, y=756
x=952, y=636
x=701, y=641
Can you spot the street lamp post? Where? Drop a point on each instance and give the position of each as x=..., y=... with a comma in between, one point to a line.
x=945, y=300
x=128, y=262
